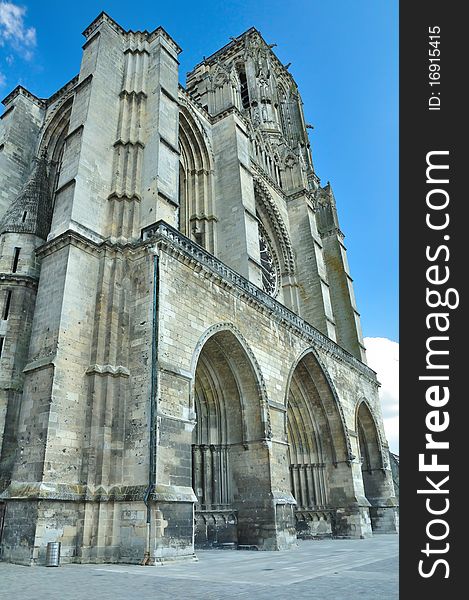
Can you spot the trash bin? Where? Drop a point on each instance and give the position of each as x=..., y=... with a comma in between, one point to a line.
x=53, y=554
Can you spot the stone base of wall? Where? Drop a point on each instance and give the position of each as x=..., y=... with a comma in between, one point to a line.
x=353, y=522
x=265, y=523
x=96, y=532
x=19, y=532
x=285, y=520
x=216, y=529
x=314, y=524
x=384, y=519
x=117, y=532
x=171, y=531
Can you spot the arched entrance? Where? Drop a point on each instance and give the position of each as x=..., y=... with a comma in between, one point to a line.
x=230, y=462
x=375, y=482
x=317, y=444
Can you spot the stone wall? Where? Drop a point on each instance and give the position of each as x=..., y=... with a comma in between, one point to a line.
x=194, y=305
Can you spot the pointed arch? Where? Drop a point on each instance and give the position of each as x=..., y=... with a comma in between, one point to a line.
x=309, y=369
x=239, y=352
x=370, y=440
x=243, y=86
x=229, y=449
x=53, y=139
x=196, y=210
x=376, y=474
x=283, y=109
x=318, y=445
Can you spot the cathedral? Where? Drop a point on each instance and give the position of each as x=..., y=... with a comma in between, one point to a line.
x=181, y=360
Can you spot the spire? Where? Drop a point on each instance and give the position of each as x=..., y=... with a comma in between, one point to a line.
x=31, y=211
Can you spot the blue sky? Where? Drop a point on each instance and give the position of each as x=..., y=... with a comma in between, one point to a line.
x=344, y=58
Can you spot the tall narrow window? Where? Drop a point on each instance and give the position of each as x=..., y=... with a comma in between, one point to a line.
x=2, y=339
x=6, y=306
x=16, y=258
x=244, y=90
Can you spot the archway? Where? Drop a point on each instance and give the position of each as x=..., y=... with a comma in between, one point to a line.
x=277, y=262
x=196, y=211
x=53, y=141
x=373, y=471
x=317, y=444
x=230, y=472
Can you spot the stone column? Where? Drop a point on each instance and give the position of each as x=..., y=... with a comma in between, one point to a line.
x=313, y=291
x=352, y=516
x=344, y=308
x=160, y=167
x=237, y=234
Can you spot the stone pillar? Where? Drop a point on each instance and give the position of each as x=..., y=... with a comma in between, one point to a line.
x=379, y=487
x=347, y=497
x=346, y=315
x=81, y=199
x=238, y=244
x=54, y=461
x=313, y=285
x=173, y=495
x=265, y=512
x=160, y=168
x=18, y=289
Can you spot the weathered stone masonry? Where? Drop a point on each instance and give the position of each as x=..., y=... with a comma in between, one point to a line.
x=181, y=357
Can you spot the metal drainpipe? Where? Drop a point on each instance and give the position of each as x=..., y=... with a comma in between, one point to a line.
x=153, y=402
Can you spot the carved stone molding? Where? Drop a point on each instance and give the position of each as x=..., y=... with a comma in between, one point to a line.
x=268, y=204
x=177, y=244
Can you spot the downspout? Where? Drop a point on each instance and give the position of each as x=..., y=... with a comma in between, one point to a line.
x=153, y=402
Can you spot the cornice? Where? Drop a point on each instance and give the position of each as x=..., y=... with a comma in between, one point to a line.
x=148, y=35
x=175, y=243
x=17, y=279
x=22, y=91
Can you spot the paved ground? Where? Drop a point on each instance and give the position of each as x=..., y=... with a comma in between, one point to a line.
x=316, y=570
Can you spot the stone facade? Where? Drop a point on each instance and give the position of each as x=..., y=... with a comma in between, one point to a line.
x=182, y=364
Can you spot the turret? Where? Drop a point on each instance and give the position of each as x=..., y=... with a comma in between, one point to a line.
x=23, y=228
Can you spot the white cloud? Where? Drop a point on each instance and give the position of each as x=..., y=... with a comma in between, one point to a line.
x=13, y=31
x=383, y=357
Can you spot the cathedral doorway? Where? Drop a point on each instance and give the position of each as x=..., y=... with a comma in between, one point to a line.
x=371, y=459
x=229, y=459
x=315, y=436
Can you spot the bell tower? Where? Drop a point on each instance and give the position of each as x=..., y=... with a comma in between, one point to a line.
x=275, y=223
